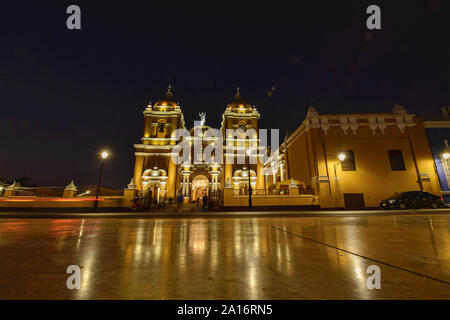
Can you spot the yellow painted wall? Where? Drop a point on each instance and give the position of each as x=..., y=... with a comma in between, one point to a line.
x=138, y=170
x=172, y=174
x=297, y=160
x=232, y=200
x=373, y=176
x=40, y=202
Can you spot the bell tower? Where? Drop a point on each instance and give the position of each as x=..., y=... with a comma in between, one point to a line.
x=154, y=170
x=238, y=161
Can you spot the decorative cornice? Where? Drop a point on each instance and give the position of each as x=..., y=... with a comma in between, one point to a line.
x=319, y=179
x=351, y=122
x=71, y=187
x=151, y=147
x=151, y=112
x=152, y=154
x=437, y=124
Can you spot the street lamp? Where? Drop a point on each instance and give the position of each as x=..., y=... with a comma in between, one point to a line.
x=103, y=155
x=446, y=155
x=249, y=182
x=341, y=157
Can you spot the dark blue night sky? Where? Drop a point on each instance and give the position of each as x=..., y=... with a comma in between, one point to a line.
x=67, y=94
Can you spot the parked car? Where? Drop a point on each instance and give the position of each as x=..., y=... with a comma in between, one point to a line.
x=412, y=200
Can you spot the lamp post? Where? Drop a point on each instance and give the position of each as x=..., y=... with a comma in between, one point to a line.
x=341, y=157
x=103, y=155
x=249, y=182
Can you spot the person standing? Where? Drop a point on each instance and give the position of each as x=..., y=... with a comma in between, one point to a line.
x=180, y=200
x=134, y=205
x=139, y=203
x=149, y=199
x=205, y=201
x=197, y=203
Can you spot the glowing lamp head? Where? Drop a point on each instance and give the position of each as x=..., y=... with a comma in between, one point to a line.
x=104, y=155
x=341, y=156
x=89, y=191
x=446, y=155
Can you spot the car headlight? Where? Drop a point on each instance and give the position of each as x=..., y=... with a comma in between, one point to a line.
x=391, y=201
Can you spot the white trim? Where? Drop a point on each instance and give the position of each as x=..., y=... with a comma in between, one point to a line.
x=319, y=179
x=151, y=154
x=436, y=124
x=276, y=196
x=150, y=146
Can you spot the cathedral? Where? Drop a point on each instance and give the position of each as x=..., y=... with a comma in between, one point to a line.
x=158, y=176
x=350, y=161
x=330, y=161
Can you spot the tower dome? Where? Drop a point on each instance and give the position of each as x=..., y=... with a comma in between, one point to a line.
x=167, y=103
x=238, y=104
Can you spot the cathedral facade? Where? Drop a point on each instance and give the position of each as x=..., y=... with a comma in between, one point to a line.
x=159, y=176
x=329, y=161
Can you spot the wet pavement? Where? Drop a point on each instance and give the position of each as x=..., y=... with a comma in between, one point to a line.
x=227, y=258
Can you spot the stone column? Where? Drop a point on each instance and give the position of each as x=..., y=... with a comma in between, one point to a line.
x=172, y=173
x=163, y=190
x=260, y=180
x=138, y=170
x=182, y=183
x=266, y=178
x=188, y=191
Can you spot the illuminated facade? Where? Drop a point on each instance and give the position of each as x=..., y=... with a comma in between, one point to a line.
x=356, y=160
x=330, y=160
x=161, y=178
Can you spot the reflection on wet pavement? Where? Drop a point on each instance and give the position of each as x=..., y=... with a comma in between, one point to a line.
x=227, y=258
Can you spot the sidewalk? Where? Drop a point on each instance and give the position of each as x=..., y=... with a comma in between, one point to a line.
x=220, y=214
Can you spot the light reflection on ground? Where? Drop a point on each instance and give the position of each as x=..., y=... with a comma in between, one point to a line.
x=227, y=258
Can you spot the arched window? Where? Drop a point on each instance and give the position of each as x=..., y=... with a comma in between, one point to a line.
x=242, y=125
x=161, y=128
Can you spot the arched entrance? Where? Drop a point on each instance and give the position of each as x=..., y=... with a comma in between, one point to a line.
x=154, y=185
x=241, y=179
x=200, y=187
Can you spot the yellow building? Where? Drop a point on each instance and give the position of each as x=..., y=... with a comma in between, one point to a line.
x=329, y=161
x=356, y=160
x=156, y=175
